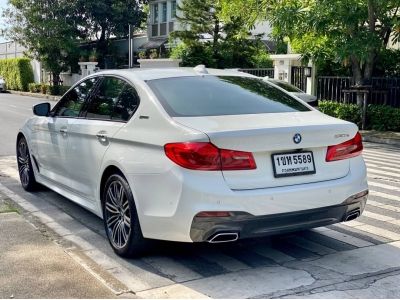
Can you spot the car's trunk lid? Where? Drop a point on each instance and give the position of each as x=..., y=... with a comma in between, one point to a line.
x=268, y=134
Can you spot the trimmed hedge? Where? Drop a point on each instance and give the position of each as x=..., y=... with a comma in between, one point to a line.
x=48, y=89
x=379, y=117
x=17, y=73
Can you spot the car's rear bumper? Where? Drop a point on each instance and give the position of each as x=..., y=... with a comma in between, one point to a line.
x=166, y=210
x=248, y=226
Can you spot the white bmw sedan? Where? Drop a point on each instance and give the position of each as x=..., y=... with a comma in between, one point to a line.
x=193, y=155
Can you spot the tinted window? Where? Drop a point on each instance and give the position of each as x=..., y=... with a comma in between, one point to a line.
x=226, y=95
x=286, y=86
x=71, y=104
x=127, y=104
x=114, y=100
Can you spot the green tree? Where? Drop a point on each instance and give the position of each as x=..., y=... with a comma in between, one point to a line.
x=199, y=19
x=208, y=40
x=48, y=29
x=352, y=32
x=101, y=20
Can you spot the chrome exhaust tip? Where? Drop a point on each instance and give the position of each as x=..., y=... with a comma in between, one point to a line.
x=352, y=216
x=225, y=237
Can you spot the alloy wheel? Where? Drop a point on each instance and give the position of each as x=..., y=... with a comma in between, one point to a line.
x=23, y=162
x=117, y=215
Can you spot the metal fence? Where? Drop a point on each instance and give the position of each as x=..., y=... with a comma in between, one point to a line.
x=384, y=90
x=261, y=72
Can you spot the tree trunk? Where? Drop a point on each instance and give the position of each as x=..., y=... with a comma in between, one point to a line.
x=55, y=78
x=101, y=48
x=216, y=40
x=357, y=76
x=370, y=61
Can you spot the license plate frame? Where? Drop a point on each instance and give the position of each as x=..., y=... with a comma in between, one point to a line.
x=280, y=175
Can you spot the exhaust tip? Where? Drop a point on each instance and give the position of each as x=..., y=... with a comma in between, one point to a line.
x=224, y=237
x=352, y=216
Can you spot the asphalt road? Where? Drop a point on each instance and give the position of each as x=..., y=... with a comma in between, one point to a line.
x=357, y=259
x=14, y=110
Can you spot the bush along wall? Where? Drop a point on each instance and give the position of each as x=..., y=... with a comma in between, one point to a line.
x=379, y=117
x=17, y=73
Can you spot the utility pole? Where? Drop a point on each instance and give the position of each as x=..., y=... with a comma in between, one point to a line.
x=130, y=47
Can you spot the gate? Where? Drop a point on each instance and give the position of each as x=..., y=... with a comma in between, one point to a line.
x=299, y=79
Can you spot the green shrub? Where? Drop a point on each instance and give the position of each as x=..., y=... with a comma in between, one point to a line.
x=379, y=117
x=383, y=118
x=193, y=55
x=262, y=60
x=64, y=89
x=44, y=88
x=57, y=90
x=348, y=112
x=35, y=87
x=17, y=73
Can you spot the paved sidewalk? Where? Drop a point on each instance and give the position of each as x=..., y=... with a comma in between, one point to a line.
x=32, y=266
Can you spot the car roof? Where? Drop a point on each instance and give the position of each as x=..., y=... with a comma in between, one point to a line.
x=152, y=74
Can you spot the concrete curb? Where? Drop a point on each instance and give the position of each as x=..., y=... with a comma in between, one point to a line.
x=36, y=95
x=388, y=138
x=373, y=139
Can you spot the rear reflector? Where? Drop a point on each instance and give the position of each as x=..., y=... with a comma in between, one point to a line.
x=213, y=214
x=345, y=150
x=207, y=157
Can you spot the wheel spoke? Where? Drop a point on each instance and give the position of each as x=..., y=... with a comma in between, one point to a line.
x=124, y=233
x=112, y=208
x=127, y=221
x=111, y=220
x=112, y=198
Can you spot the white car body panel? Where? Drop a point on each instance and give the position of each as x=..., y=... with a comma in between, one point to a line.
x=167, y=196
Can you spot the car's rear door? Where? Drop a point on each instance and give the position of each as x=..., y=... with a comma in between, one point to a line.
x=108, y=110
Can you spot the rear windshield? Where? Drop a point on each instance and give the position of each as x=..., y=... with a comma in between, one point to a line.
x=226, y=95
x=286, y=86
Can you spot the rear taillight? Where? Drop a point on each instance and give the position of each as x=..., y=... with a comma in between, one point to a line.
x=345, y=150
x=207, y=157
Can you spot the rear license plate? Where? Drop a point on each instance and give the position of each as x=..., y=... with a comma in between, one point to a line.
x=293, y=164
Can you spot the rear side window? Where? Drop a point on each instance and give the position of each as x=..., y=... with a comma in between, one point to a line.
x=225, y=95
x=115, y=99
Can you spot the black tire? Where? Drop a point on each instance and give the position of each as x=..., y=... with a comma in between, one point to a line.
x=121, y=220
x=25, y=169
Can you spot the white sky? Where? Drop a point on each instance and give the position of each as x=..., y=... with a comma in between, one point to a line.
x=3, y=4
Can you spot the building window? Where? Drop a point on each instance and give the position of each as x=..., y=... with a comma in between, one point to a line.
x=155, y=13
x=173, y=9
x=164, y=12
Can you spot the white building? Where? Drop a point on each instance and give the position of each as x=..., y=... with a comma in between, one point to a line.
x=162, y=21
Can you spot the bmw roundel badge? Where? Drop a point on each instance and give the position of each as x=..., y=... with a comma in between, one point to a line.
x=297, y=138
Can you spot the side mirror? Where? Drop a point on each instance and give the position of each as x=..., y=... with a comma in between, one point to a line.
x=41, y=109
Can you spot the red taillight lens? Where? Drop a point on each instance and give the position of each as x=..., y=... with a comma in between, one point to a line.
x=345, y=150
x=207, y=157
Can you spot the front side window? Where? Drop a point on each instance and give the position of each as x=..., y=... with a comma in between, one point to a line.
x=71, y=104
x=164, y=12
x=114, y=100
x=224, y=95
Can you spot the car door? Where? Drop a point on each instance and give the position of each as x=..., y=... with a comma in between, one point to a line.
x=109, y=108
x=52, y=138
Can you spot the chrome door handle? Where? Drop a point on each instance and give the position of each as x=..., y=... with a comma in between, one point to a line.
x=63, y=131
x=102, y=136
